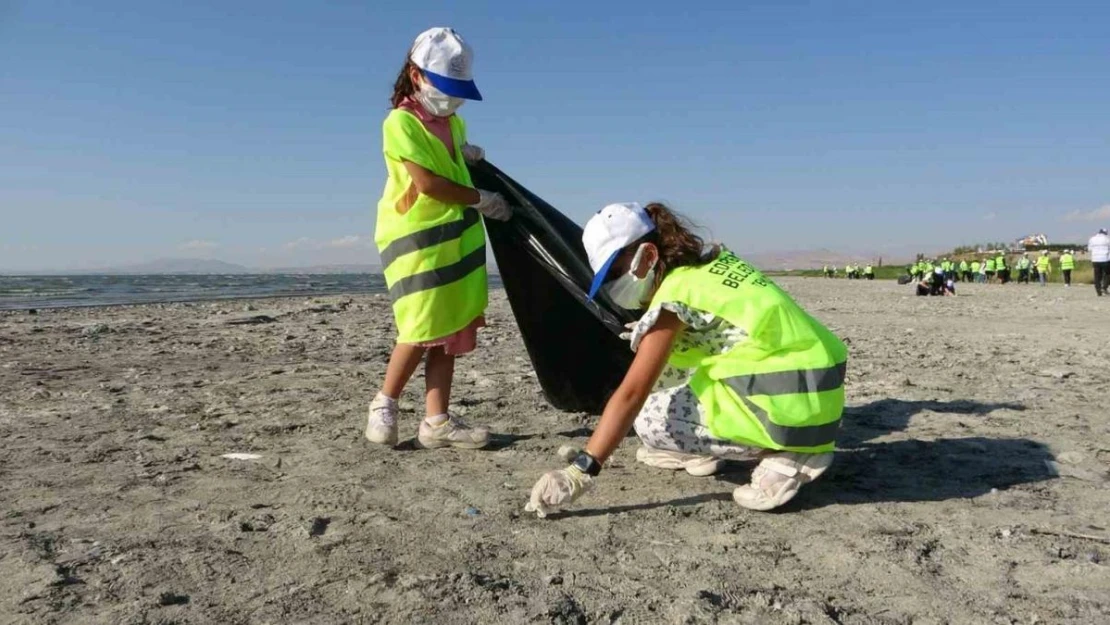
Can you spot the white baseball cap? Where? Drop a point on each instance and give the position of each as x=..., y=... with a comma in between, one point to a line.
x=612, y=229
x=446, y=60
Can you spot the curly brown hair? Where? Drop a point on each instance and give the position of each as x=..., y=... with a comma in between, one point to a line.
x=403, y=87
x=673, y=235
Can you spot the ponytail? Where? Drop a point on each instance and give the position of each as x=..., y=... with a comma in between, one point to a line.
x=403, y=87
x=678, y=245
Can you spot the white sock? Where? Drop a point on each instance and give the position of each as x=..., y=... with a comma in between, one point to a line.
x=392, y=403
x=437, y=420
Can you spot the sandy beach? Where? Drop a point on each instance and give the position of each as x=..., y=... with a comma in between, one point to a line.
x=970, y=484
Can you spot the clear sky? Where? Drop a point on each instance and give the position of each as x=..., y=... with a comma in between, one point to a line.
x=250, y=131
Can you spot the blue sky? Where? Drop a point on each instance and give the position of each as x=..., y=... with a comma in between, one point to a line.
x=250, y=131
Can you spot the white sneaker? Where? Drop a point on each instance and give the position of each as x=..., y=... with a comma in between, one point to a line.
x=381, y=423
x=778, y=477
x=699, y=466
x=453, y=432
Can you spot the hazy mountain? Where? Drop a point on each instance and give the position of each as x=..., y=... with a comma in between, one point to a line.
x=323, y=269
x=180, y=265
x=816, y=259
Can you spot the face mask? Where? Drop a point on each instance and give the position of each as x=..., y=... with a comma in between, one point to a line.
x=436, y=102
x=628, y=291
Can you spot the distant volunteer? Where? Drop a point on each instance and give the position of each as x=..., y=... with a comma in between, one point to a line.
x=431, y=238
x=1067, y=265
x=1044, y=267
x=977, y=271
x=965, y=271
x=727, y=365
x=1099, y=247
x=869, y=272
x=1024, y=265
x=1001, y=269
x=939, y=280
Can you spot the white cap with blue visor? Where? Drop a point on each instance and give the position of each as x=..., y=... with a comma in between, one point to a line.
x=612, y=229
x=446, y=61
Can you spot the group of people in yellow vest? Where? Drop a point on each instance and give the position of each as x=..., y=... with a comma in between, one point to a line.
x=726, y=366
x=996, y=269
x=852, y=272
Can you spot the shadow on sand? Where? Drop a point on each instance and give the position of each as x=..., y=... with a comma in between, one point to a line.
x=901, y=471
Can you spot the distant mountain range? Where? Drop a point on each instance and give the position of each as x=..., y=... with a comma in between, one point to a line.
x=816, y=259
x=180, y=266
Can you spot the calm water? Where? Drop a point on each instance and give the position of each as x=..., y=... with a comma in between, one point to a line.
x=21, y=292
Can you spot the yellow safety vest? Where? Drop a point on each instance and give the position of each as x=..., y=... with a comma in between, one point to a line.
x=434, y=254
x=1043, y=264
x=1067, y=261
x=780, y=388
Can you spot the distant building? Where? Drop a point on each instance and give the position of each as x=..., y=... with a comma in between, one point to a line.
x=1033, y=239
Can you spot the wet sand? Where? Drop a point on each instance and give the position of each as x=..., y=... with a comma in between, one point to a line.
x=970, y=485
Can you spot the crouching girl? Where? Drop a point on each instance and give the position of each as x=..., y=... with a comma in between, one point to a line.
x=727, y=365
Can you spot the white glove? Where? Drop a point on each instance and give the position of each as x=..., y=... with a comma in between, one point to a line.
x=630, y=326
x=472, y=153
x=494, y=206
x=557, y=488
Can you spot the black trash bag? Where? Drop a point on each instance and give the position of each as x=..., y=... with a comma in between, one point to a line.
x=573, y=343
x=904, y=279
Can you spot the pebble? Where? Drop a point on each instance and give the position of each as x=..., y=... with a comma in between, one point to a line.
x=471, y=511
x=553, y=580
x=94, y=330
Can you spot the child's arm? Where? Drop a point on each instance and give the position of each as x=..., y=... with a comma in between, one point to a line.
x=629, y=398
x=440, y=188
x=490, y=204
x=559, y=488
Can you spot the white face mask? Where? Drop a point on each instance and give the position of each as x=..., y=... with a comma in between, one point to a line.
x=436, y=102
x=629, y=291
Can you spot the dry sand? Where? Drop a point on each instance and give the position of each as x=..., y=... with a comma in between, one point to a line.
x=969, y=486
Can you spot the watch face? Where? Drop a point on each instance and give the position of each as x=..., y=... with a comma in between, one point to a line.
x=587, y=464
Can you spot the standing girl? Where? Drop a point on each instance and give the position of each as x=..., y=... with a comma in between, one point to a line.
x=727, y=365
x=431, y=238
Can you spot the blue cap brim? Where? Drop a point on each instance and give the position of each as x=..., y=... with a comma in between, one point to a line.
x=465, y=89
x=599, y=277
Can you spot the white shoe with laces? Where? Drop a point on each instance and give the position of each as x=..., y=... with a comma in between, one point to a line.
x=698, y=466
x=381, y=423
x=778, y=477
x=454, y=432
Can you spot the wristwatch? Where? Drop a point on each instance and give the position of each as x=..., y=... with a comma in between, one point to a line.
x=587, y=464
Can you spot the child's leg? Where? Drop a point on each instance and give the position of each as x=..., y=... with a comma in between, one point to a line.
x=439, y=372
x=671, y=426
x=402, y=364
x=381, y=421
x=439, y=428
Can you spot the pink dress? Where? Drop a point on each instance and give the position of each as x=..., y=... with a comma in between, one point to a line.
x=464, y=341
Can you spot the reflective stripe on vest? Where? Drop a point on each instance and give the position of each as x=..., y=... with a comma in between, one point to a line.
x=427, y=238
x=438, y=277
x=796, y=436
x=790, y=383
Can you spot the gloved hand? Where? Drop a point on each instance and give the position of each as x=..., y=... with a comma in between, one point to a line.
x=557, y=488
x=472, y=153
x=494, y=206
x=630, y=326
